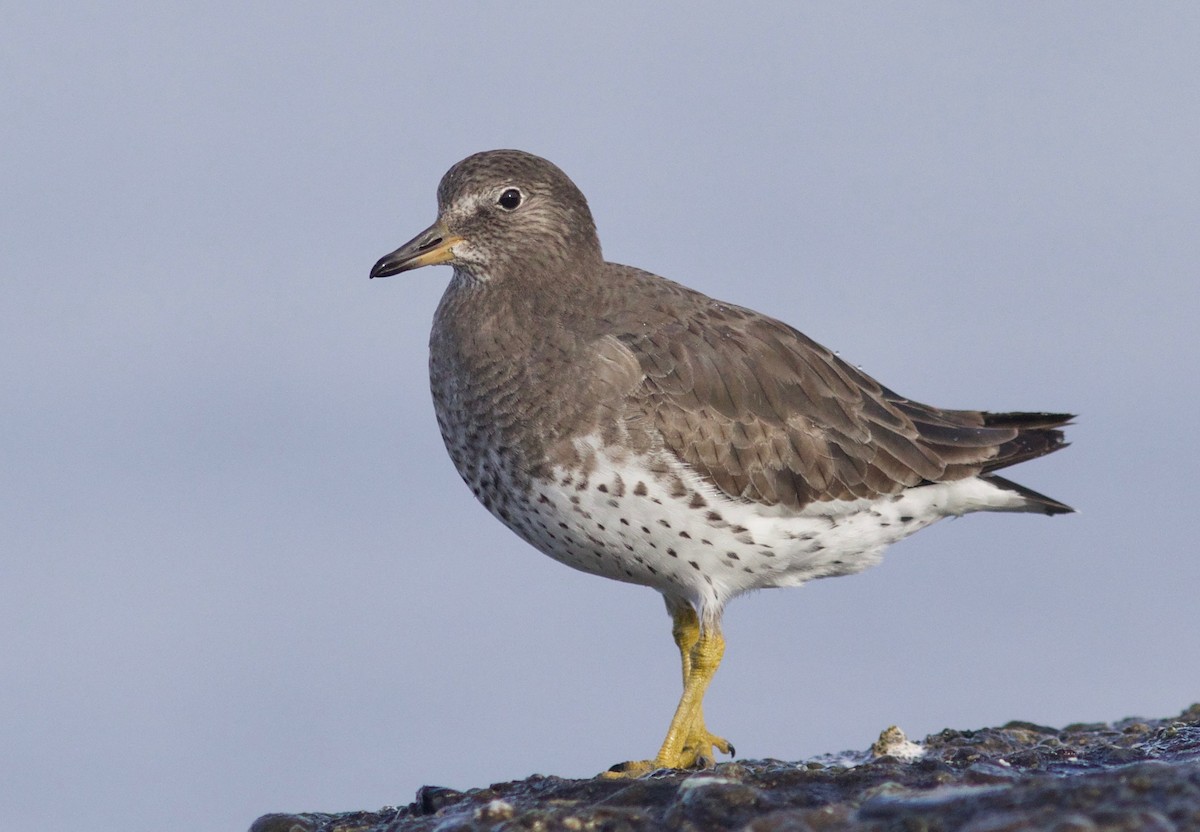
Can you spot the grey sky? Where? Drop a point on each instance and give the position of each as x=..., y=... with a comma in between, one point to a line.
x=242, y=576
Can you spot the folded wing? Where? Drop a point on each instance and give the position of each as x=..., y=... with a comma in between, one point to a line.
x=766, y=414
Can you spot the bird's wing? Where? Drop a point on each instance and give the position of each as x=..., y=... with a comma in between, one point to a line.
x=766, y=414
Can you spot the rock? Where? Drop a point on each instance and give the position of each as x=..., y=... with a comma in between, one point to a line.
x=1132, y=775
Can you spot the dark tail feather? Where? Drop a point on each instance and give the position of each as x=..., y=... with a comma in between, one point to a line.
x=1038, y=434
x=1036, y=501
x=1027, y=420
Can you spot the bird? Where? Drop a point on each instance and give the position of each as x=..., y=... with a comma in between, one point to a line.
x=636, y=429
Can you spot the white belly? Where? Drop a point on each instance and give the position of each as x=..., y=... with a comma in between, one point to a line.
x=673, y=532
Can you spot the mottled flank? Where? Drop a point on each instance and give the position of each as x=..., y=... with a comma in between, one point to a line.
x=636, y=429
x=1133, y=775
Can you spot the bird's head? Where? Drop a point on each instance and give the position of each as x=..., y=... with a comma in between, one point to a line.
x=503, y=213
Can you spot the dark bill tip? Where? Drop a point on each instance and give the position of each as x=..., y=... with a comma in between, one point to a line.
x=389, y=265
x=432, y=246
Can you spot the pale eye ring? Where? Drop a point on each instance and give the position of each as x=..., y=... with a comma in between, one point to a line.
x=510, y=199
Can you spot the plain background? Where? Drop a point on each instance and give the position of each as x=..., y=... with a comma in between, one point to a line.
x=240, y=574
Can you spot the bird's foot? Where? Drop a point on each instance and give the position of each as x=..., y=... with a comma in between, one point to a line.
x=629, y=770
x=699, y=749
x=698, y=753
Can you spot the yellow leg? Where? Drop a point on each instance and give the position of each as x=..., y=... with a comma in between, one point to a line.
x=688, y=744
x=685, y=628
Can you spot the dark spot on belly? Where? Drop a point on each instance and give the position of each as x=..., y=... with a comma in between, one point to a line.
x=672, y=553
x=695, y=565
x=664, y=524
x=697, y=500
x=602, y=487
x=906, y=518
x=640, y=490
x=732, y=556
x=714, y=517
x=685, y=534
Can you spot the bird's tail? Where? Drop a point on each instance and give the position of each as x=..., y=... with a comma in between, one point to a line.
x=1037, y=434
x=1033, y=500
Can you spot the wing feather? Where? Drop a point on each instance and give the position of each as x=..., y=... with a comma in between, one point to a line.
x=766, y=414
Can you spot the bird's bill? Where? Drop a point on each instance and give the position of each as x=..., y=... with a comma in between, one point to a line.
x=432, y=246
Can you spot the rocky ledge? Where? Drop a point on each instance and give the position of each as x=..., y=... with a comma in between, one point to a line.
x=1131, y=775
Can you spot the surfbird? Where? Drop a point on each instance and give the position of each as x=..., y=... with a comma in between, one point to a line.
x=636, y=429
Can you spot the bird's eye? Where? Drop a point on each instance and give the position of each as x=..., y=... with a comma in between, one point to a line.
x=510, y=199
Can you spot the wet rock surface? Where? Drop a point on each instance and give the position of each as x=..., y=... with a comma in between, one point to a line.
x=1131, y=775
